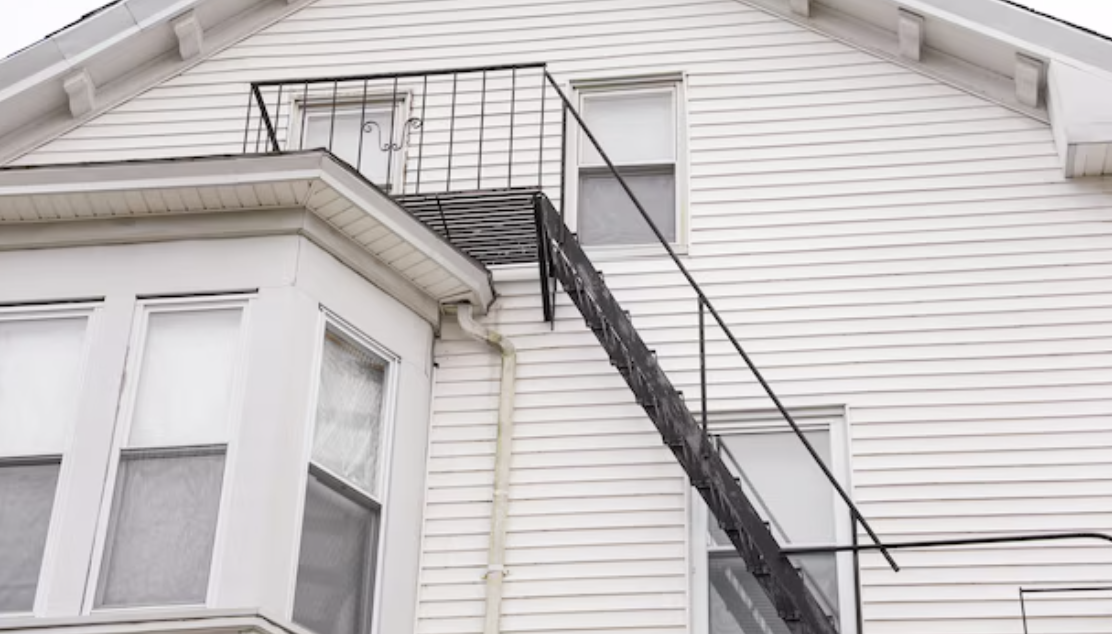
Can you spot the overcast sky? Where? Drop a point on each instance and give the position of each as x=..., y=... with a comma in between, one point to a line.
x=23, y=22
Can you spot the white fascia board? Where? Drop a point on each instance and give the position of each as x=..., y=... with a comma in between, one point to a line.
x=392, y=216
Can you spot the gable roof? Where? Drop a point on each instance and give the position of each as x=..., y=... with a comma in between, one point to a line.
x=993, y=48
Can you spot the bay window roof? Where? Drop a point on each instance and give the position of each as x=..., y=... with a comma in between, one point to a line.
x=341, y=211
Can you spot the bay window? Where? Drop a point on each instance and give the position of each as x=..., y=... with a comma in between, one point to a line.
x=343, y=494
x=177, y=419
x=42, y=354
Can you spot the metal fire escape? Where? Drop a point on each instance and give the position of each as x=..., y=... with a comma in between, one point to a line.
x=469, y=182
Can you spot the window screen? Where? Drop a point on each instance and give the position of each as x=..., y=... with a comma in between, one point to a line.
x=335, y=567
x=163, y=518
x=40, y=381
x=335, y=574
x=162, y=528
x=637, y=130
x=26, y=499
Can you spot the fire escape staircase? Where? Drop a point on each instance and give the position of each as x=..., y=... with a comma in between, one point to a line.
x=692, y=446
x=510, y=219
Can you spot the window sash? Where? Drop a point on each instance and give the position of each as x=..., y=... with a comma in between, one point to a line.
x=725, y=570
x=63, y=416
x=589, y=165
x=123, y=450
x=588, y=156
x=352, y=612
x=347, y=467
x=170, y=580
x=342, y=486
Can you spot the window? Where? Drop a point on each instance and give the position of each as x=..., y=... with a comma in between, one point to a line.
x=337, y=556
x=637, y=128
x=162, y=522
x=800, y=507
x=370, y=137
x=41, y=359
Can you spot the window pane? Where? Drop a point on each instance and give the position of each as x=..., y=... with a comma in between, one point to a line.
x=608, y=216
x=631, y=128
x=793, y=495
x=372, y=160
x=185, y=384
x=160, y=535
x=40, y=366
x=335, y=567
x=349, y=411
x=26, y=499
x=738, y=604
x=790, y=484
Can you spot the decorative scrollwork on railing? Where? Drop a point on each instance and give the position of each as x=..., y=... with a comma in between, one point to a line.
x=411, y=124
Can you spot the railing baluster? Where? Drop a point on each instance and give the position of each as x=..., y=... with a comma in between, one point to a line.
x=540, y=135
x=703, y=363
x=278, y=117
x=563, y=160
x=482, y=129
x=390, y=141
x=247, y=123
x=451, y=131
x=362, y=132
x=513, y=108
x=424, y=124
x=332, y=121
x=303, y=116
x=259, y=129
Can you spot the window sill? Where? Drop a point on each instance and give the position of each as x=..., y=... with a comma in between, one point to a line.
x=167, y=620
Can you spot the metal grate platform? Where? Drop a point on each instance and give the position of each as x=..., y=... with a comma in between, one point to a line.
x=494, y=226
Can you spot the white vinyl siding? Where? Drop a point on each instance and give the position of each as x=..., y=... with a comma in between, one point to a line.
x=876, y=238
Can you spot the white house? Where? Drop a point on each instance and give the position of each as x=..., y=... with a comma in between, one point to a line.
x=347, y=317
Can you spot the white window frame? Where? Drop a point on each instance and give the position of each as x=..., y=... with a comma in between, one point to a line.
x=328, y=319
x=91, y=312
x=831, y=419
x=144, y=308
x=350, y=102
x=582, y=90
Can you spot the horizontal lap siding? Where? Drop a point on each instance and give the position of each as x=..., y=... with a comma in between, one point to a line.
x=877, y=239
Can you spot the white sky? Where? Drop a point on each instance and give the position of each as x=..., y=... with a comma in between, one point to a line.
x=23, y=22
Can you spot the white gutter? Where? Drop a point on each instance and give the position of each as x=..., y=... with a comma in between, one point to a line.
x=496, y=554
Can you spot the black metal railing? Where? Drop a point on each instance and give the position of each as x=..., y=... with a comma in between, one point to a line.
x=704, y=307
x=422, y=132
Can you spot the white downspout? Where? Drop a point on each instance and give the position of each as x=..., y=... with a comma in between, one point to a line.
x=496, y=554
